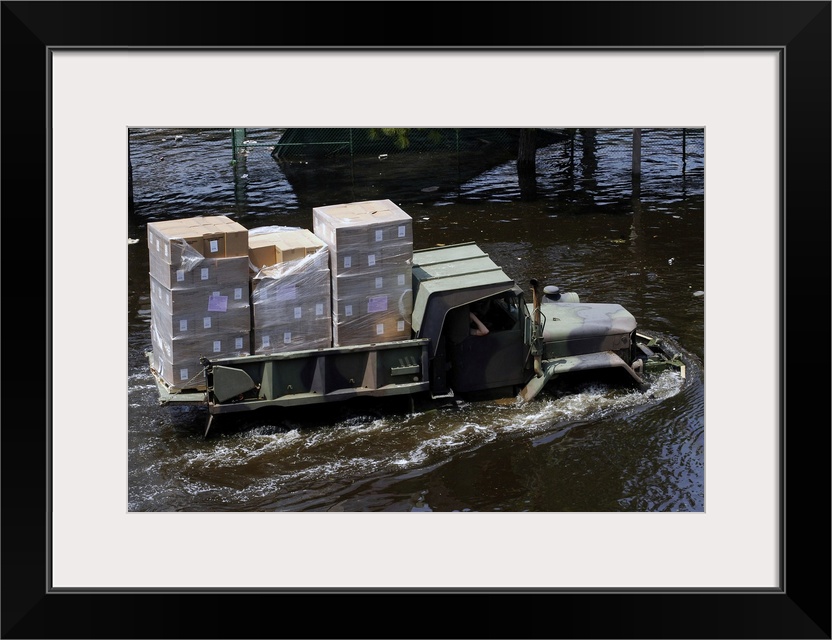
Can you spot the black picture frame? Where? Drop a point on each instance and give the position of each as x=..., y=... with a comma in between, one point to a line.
x=800, y=608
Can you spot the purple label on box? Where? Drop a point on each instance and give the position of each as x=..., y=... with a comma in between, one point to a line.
x=377, y=303
x=218, y=303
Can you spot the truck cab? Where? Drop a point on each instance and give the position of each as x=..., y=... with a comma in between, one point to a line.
x=527, y=344
x=450, y=283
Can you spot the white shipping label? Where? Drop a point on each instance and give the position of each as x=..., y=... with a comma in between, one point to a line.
x=348, y=310
x=238, y=293
x=379, y=235
x=371, y=260
x=380, y=329
x=183, y=325
x=266, y=342
x=401, y=280
x=319, y=309
x=159, y=248
x=183, y=374
x=402, y=229
x=167, y=298
x=214, y=246
x=347, y=262
x=203, y=273
x=180, y=275
x=238, y=343
x=376, y=303
x=400, y=325
x=379, y=283
x=287, y=337
x=206, y=322
x=298, y=313
x=217, y=346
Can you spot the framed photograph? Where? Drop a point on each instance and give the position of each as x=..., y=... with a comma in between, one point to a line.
x=749, y=563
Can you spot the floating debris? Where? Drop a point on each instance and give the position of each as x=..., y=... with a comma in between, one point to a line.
x=698, y=293
x=132, y=240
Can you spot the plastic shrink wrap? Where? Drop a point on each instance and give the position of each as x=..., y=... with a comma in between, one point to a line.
x=290, y=297
x=199, y=290
x=371, y=257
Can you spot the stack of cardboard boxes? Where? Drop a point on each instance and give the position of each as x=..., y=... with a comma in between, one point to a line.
x=371, y=257
x=290, y=290
x=199, y=287
x=219, y=290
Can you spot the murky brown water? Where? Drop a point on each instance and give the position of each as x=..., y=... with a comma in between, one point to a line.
x=597, y=449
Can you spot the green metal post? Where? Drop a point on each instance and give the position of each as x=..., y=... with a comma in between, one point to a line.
x=237, y=138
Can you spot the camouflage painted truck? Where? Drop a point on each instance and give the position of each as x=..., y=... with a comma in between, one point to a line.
x=529, y=345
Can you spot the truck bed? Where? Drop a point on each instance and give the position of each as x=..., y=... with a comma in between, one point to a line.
x=309, y=377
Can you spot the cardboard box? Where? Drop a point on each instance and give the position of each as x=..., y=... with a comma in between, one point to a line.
x=172, y=326
x=268, y=248
x=390, y=281
x=381, y=315
x=200, y=273
x=167, y=241
x=210, y=237
x=362, y=225
x=178, y=361
x=368, y=328
x=235, y=236
x=268, y=312
x=199, y=300
x=292, y=336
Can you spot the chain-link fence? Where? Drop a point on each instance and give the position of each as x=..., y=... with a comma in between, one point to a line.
x=316, y=142
x=657, y=163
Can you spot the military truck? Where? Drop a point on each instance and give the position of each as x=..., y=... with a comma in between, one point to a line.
x=529, y=344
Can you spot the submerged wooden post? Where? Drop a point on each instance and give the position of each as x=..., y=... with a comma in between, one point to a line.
x=636, y=152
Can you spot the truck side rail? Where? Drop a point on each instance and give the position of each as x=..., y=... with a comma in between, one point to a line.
x=317, y=376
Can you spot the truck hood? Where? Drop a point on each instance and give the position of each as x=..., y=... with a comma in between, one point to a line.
x=577, y=328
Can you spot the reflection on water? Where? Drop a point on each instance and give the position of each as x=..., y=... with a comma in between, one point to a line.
x=596, y=449
x=196, y=170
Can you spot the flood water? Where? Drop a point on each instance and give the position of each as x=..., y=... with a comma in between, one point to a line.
x=587, y=229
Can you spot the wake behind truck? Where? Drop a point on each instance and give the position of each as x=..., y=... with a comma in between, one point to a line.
x=525, y=345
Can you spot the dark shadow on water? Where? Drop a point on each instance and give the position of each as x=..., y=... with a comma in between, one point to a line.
x=428, y=169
